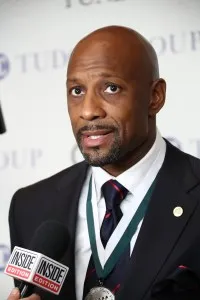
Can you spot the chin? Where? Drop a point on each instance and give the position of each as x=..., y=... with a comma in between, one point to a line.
x=99, y=159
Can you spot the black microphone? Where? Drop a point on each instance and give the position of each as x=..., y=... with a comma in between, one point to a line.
x=2, y=123
x=38, y=264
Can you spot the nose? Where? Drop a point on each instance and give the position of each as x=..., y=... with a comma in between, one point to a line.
x=92, y=107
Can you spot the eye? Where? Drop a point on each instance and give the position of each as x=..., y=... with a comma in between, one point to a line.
x=112, y=88
x=76, y=91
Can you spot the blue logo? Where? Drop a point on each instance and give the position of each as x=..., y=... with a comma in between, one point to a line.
x=4, y=256
x=4, y=66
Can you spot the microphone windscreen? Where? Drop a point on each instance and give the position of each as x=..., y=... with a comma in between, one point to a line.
x=2, y=123
x=51, y=239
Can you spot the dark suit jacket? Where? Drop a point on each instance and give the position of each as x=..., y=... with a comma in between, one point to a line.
x=164, y=243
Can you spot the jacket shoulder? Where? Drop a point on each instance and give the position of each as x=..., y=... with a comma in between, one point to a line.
x=185, y=161
x=195, y=164
x=54, y=181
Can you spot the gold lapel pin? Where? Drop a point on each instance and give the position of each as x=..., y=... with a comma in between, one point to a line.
x=178, y=211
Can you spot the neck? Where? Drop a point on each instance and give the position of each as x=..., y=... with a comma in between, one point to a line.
x=131, y=158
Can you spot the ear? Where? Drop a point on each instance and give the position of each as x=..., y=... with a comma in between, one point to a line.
x=158, y=92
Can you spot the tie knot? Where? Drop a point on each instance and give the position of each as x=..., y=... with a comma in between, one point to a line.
x=114, y=193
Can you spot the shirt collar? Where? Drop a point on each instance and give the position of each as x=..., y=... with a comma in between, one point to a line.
x=132, y=177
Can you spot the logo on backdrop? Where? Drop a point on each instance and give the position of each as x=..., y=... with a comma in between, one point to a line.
x=176, y=43
x=20, y=159
x=70, y=3
x=4, y=256
x=56, y=59
x=40, y=62
x=4, y=66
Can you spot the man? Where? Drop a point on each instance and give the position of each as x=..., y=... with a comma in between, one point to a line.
x=134, y=202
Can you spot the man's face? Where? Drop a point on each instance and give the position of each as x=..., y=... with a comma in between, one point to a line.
x=107, y=103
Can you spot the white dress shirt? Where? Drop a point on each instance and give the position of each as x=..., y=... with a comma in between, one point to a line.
x=137, y=180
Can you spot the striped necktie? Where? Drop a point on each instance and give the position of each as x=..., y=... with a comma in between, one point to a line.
x=114, y=193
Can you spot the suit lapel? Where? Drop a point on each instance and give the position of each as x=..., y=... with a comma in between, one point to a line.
x=69, y=189
x=161, y=229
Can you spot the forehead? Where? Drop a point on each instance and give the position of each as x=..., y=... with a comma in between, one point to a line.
x=111, y=56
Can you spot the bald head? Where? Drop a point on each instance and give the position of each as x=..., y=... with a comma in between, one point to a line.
x=126, y=44
x=114, y=93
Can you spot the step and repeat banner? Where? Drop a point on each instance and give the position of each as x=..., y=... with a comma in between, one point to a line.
x=36, y=38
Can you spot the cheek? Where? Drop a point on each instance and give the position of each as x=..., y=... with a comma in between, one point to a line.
x=73, y=111
x=125, y=122
x=73, y=118
x=132, y=122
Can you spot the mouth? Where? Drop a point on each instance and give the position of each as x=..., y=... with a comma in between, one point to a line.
x=96, y=138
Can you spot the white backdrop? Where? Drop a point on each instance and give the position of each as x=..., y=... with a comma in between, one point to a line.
x=36, y=38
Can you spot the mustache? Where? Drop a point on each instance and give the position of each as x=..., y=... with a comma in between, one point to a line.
x=94, y=127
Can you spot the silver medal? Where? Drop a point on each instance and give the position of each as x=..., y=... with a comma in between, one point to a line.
x=100, y=293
